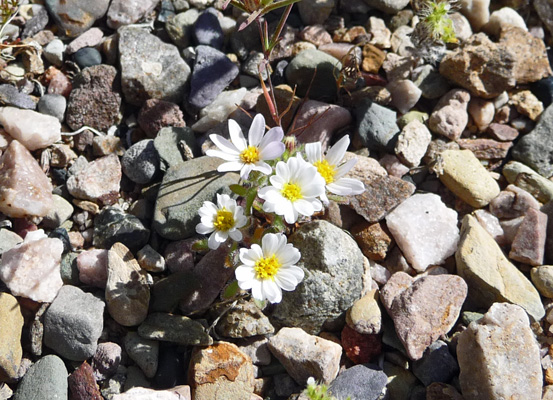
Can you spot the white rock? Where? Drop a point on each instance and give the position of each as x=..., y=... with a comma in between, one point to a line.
x=476, y=11
x=482, y=112
x=32, y=129
x=504, y=17
x=412, y=143
x=405, y=94
x=32, y=268
x=380, y=34
x=424, y=229
x=93, y=267
x=461, y=25
x=141, y=393
x=219, y=110
x=491, y=224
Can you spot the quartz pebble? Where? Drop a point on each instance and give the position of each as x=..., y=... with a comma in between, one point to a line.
x=30, y=128
x=405, y=94
x=90, y=38
x=477, y=12
x=502, y=18
x=93, y=267
x=481, y=111
x=450, y=116
x=412, y=143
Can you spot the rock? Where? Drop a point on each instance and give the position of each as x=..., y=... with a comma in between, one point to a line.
x=53, y=52
x=213, y=71
x=60, y=212
x=10, y=96
x=95, y=100
x=257, y=349
x=140, y=163
x=423, y=309
x=54, y=105
x=388, y=6
x=468, y=179
x=32, y=268
x=529, y=243
x=529, y=180
x=90, y=38
x=24, y=188
x=482, y=67
x=436, y=365
x=87, y=57
x=476, y=11
x=534, y=148
x=373, y=241
x=499, y=357
x=334, y=265
x=243, y=320
x=412, y=143
x=141, y=393
x=302, y=67
x=144, y=352
x=207, y=30
x=47, y=375
x=150, y=68
x=175, y=145
x=450, y=116
x=82, y=384
x=76, y=16
x=113, y=225
x=365, y=316
x=482, y=112
x=124, y=12
x=527, y=104
x=8, y=240
x=106, y=360
x=180, y=26
x=32, y=129
x=11, y=324
x=485, y=149
x=179, y=255
x=97, y=181
x=314, y=12
x=127, y=290
x=316, y=34
x=489, y=275
x=36, y=24
x=503, y=19
x=501, y=132
x=305, y=355
x=93, y=267
x=59, y=82
x=156, y=114
x=360, y=382
x=424, y=229
x=430, y=82
x=543, y=9
x=84, y=313
x=377, y=126
x=221, y=371
x=174, y=328
x=360, y=348
x=220, y=109
x=182, y=193
x=150, y=260
x=542, y=278
x=405, y=94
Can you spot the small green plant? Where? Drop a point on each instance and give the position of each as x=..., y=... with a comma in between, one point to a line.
x=318, y=391
x=435, y=17
x=9, y=9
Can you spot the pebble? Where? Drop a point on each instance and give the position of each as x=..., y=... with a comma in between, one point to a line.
x=144, y=352
x=156, y=114
x=93, y=267
x=372, y=239
x=423, y=309
x=207, y=29
x=32, y=268
x=431, y=84
x=304, y=355
x=125, y=12
x=502, y=132
x=388, y=6
x=485, y=149
x=61, y=211
x=442, y=391
x=113, y=225
x=59, y=84
x=213, y=71
x=489, y=275
x=105, y=145
x=542, y=278
x=364, y=316
x=513, y=202
x=221, y=371
x=82, y=383
x=528, y=179
x=477, y=12
x=450, y=116
x=179, y=27
x=528, y=245
x=243, y=320
x=37, y=23
x=24, y=188
x=11, y=324
x=482, y=112
x=127, y=290
x=412, y=143
x=106, y=360
x=527, y=104
x=467, y=178
x=436, y=365
x=54, y=51
x=373, y=58
x=8, y=240
x=175, y=145
x=11, y=96
x=316, y=34
x=502, y=18
x=360, y=348
x=377, y=126
x=313, y=12
x=150, y=68
x=175, y=329
x=405, y=94
x=257, y=349
x=219, y=110
x=32, y=129
x=47, y=375
x=87, y=57
x=320, y=244
x=150, y=260
x=90, y=38
x=360, y=382
x=84, y=313
x=140, y=163
x=424, y=229
x=141, y=393
x=503, y=333
x=179, y=255
x=54, y=105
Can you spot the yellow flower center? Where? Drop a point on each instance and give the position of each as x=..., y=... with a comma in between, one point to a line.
x=326, y=170
x=250, y=155
x=224, y=220
x=291, y=191
x=266, y=267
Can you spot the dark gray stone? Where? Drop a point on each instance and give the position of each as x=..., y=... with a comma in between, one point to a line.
x=54, y=105
x=46, y=379
x=35, y=24
x=213, y=72
x=360, y=382
x=207, y=29
x=76, y=16
x=10, y=96
x=140, y=163
x=436, y=365
x=80, y=311
x=377, y=126
x=87, y=57
x=430, y=82
x=175, y=329
x=244, y=319
x=175, y=145
x=113, y=225
x=179, y=27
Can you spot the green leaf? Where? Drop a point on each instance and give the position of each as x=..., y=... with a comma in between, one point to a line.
x=250, y=198
x=200, y=245
x=231, y=290
x=239, y=190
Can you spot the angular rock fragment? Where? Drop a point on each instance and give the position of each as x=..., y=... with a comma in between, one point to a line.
x=529, y=243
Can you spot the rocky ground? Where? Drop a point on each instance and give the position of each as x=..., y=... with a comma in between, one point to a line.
x=432, y=284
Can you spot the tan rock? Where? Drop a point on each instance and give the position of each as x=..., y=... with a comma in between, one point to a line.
x=11, y=324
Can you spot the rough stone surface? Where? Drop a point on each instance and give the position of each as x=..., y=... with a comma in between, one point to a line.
x=175, y=329
x=140, y=163
x=76, y=16
x=450, y=116
x=333, y=266
x=96, y=181
x=377, y=126
x=11, y=324
x=526, y=178
x=424, y=229
x=489, y=275
x=125, y=12
x=93, y=267
x=365, y=316
x=113, y=225
x=499, y=357
x=47, y=375
x=388, y=6
x=245, y=319
x=423, y=309
x=436, y=365
x=144, y=352
x=529, y=243
x=304, y=355
x=412, y=143
x=84, y=313
x=542, y=278
x=32, y=129
x=156, y=114
x=373, y=240
x=360, y=382
x=175, y=145
x=82, y=384
x=360, y=348
x=106, y=360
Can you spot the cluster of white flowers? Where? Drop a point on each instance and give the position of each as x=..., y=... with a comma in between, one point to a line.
x=297, y=187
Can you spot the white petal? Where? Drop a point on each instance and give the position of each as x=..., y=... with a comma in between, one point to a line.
x=245, y=171
x=313, y=152
x=289, y=255
x=257, y=290
x=269, y=244
x=292, y=272
x=224, y=144
x=203, y=229
x=250, y=256
x=346, y=186
x=335, y=154
x=265, y=192
x=244, y=273
x=272, y=291
x=262, y=167
x=230, y=166
x=236, y=135
x=221, y=154
x=235, y=235
x=283, y=171
x=221, y=236
x=257, y=129
x=290, y=215
x=344, y=168
x=304, y=207
x=212, y=242
x=285, y=281
x=316, y=188
x=272, y=150
x=273, y=135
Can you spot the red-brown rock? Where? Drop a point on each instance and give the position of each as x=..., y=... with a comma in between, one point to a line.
x=359, y=348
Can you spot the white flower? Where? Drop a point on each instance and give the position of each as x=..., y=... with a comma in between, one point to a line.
x=330, y=169
x=268, y=269
x=223, y=219
x=295, y=188
x=251, y=155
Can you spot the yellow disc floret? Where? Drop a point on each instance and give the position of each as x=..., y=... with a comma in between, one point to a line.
x=223, y=220
x=267, y=267
x=291, y=191
x=250, y=155
x=326, y=170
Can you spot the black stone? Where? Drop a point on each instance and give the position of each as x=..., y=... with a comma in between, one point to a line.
x=113, y=225
x=436, y=365
x=61, y=234
x=87, y=57
x=207, y=30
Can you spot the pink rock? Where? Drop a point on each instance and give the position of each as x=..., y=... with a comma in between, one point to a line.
x=179, y=255
x=60, y=84
x=529, y=243
x=513, y=202
x=491, y=224
x=24, y=188
x=32, y=129
x=106, y=360
x=93, y=267
x=405, y=94
x=342, y=51
x=97, y=181
x=90, y=38
x=156, y=114
x=32, y=268
x=450, y=117
x=423, y=309
x=502, y=132
x=323, y=123
x=316, y=34
x=393, y=165
x=510, y=228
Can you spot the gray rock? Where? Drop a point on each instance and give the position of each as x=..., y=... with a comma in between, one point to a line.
x=388, y=6
x=81, y=311
x=179, y=27
x=106, y=360
x=140, y=163
x=150, y=68
x=75, y=17
x=430, y=82
x=53, y=52
x=257, y=348
x=207, y=29
x=47, y=378
x=526, y=178
x=175, y=329
x=313, y=12
x=54, y=105
x=360, y=382
x=183, y=190
x=125, y=12
x=8, y=240
x=377, y=126
x=37, y=23
x=301, y=69
x=333, y=265
x=243, y=320
x=144, y=352
x=10, y=96
x=87, y=57
x=213, y=71
x=436, y=365
x=114, y=225
x=60, y=213
x=175, y=145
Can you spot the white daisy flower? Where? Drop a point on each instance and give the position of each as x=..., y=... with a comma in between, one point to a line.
x=245, y=156
x=294, y=190
x=330, y=169
x=223, y=219
x=269, y=269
